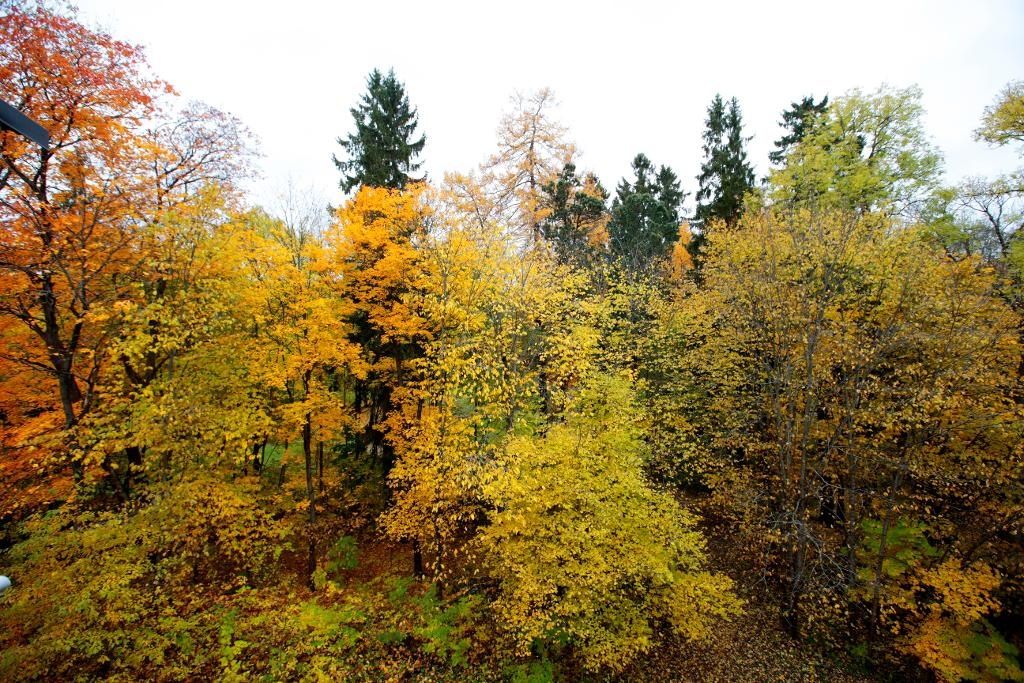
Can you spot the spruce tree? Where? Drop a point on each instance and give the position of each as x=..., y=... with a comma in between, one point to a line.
x=381, y=151
x=725, y=176
x=575, y=210
x=797, y=121
x=645, y=215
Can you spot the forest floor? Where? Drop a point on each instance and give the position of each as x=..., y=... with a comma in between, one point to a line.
x=753, y=647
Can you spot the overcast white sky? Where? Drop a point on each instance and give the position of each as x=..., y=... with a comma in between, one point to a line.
x=631, y=76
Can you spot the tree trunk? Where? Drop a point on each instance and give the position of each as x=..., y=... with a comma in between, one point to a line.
x=320, y=464
x=133, y=454
x=307, y=451
x=417, y=559
x=890, y=508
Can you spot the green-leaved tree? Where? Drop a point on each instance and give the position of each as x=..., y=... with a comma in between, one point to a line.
x=868, y=152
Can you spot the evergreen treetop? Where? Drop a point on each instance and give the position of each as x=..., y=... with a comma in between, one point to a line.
x=797, y=121
x=645, y=214
x=381, y=151
x=725, y=175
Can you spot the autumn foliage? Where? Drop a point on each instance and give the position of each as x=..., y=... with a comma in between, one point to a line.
x=490, y=426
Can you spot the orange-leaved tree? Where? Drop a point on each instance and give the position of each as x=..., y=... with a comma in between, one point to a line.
x=70, y=213
x=105, y=265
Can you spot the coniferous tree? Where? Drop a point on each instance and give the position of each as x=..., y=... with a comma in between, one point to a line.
x=576, y=216
x=725, y=176
x=645, y=214
x=382, y=149
x=381, y=154
x=797, y=121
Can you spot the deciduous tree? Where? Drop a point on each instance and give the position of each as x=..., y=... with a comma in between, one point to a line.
x=869, y=152
x=377, y=265
x=839, y=397
x=585, y=549
x=70, y=214
x=532, y=151
x=1003, y=121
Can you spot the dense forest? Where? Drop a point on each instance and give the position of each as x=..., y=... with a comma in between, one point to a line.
x=504, y=424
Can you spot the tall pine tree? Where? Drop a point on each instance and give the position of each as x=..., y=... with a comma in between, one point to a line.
x=797, y=121
x=645, y=215
x=382, y=149
x=725, y=176
x=576, y=214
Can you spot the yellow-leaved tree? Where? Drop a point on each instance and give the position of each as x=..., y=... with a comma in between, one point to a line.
x=371, y=250
x=301, y=344
x=586, y=550
x=480, y=301
x=847, y=394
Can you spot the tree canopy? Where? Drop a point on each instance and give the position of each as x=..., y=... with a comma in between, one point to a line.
x=492, y=426
x=382, y=150
x=725, y=174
